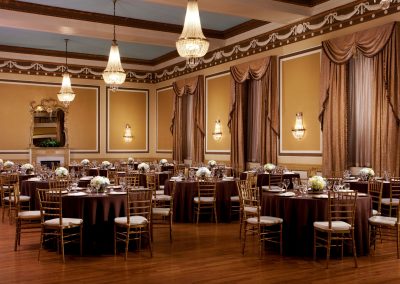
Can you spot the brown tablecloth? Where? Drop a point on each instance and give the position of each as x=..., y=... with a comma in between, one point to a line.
x=362, y=186
x=299, y=214
x=185, y=191
x=262, y=179
x=29, y=188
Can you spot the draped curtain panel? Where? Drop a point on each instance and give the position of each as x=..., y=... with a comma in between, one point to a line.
x=254, y=81
x=188, y=134
x=381, y=44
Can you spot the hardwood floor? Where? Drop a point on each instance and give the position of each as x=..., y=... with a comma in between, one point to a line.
x=204, y=253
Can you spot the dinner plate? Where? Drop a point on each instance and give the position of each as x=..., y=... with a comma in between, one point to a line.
x=80, y=193
x=114, y=186
x=117, y=192
x=320, y=196
x=287, y=194
x=34, y=179
x=77, y=188
x=272, y=188
x=62, y=191
x=86, y=178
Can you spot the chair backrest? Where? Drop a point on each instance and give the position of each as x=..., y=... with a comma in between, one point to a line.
x=132, y=179
x=250, y=197
x=112, y=175
x=240, y=185
x=274, y=179
x=206, y=189
x=342, y=207
x=139, y=203
x=252, y=178
x=10, y=187
x=151, y=182
x=394, y=188
x=59, y=183
x=50, y=201
x=375, y=192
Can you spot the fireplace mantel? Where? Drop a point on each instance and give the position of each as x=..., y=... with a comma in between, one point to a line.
x=61, y=154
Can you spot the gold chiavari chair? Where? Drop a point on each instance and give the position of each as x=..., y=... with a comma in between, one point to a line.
x=390, y=204
x=10, y=196
x=267, y=228
x=340, y=224
x=205, y=199
x=252, y=178
x=137, y=221
x=375, y=192
x=162, y=212
x=132, y=179
x=112, y=176
x=388, y=228
x=60, y=183
x=250, y=210
x=54, y=225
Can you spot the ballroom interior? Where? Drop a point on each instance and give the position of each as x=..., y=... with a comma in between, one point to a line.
x=311, y=86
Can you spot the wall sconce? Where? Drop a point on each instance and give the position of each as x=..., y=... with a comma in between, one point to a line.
x=299, y=130
x=128, y=134
x=217, y=134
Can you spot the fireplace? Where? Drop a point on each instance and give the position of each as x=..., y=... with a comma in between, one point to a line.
x=52, y=157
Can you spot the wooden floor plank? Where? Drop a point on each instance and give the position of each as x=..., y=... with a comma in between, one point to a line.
x=204, y=253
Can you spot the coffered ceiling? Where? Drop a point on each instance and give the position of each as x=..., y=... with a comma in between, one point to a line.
x=146, y=29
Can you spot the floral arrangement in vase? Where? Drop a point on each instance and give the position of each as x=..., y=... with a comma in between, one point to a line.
x=367, y=173
x=61, y=172
x=317, y=183
x=143, y=167
x=85, y=162
x=8, y=164
x=27, y=168
x=163, y=162
x=105, y=164
x=203, y=172
x=130, y=160
x=99, y=183
x=269, y=167
x=1, y=162
x=212, y=163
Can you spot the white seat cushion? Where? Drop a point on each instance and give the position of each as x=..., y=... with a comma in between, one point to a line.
x=204, y=200
x=29, y=214
x=386, y=201
x=383, y=220
x=66, y=222
x=375, y=212
x=134, y=220
x=161, y=211
x=161, y=187
x=265, y=220
x=250, y=209
x=162, y=197
x=336, y=225
x=22, y=198
x=235, y=198
x=160, y=192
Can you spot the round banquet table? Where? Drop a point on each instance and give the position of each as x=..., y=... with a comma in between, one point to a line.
x=362, y=186
x=299, y=214
x=263, y=178
x=185, y=191
x=29, y=188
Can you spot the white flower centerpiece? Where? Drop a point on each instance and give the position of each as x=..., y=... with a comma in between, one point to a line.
x=85, y=162
x=163, y=162
x=27, y=168
x=367, y=173
x=130, y=160
x=212, y=163
x=8, y=164
x=143, y=167
x=99, y=183
x=202, y=173
x=61, y=172
x=1, y=162
x=105, y=164
x=317, y=183
x=269, y=167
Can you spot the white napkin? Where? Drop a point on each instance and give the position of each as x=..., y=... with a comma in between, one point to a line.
x=321, y=196
x=117, y=192
x=86, y=178
x=288, y=173
x=80, y=193
x=34, y=179
x=287, y=194
x=273, y=188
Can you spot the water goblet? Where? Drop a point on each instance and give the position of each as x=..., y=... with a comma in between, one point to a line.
x=286, y=183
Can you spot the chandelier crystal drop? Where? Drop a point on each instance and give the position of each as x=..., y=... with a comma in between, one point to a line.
x=114, y=75
x=66, y=95
x=192, y=44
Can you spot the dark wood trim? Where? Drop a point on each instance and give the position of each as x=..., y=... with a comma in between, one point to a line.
x=306, y=3
x=301, y=154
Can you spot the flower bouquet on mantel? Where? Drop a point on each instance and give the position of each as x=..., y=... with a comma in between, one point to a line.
x=317, y=184
x=269, y=167
x=366, y=174
x=202, y=173
x=143, y=167
x=27, y=168
x=99, y=183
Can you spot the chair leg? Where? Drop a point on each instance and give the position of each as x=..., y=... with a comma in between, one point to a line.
x=280, y=239
x=150, y=247
x=17, y=233
x=315, y=246
x=127, y=243
x=41, y=242
x=354, y=249
x=80, y=240
x=328, y=249
x=115, y=239
x=215, y=214
x=198, y=213
x=170, y=227
x=241, y=223
x=260, y=242
x=62, y=245
x=398, y=241
x=244, y=237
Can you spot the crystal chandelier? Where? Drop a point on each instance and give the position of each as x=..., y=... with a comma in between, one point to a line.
x=114, y=75
x=217, y=134
x=66, y=95
x=128, y=137
x=192, y=44
x=299, y=130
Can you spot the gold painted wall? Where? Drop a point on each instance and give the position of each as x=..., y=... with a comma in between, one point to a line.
x=218, y=92
x=15, y=117
x=300, y=77
x=127, y=106
x=165, y=100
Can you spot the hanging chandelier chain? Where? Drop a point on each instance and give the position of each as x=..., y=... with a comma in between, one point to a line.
x=114, y=1
x=66, y=54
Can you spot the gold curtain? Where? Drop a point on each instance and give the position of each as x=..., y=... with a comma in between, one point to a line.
x=381, y=44
x=188, y=87
x=260, y=78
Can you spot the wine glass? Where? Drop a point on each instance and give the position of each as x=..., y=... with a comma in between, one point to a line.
x=286, y=183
